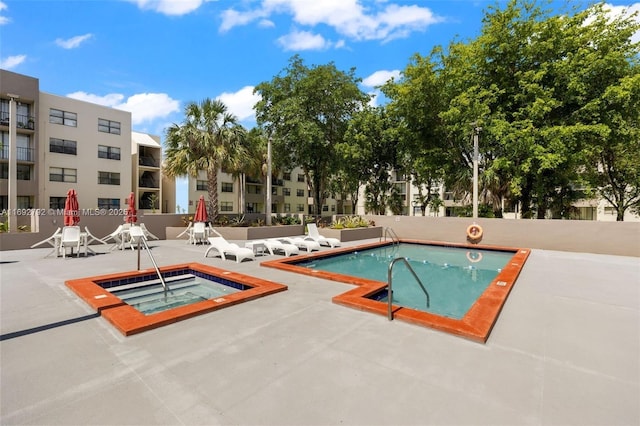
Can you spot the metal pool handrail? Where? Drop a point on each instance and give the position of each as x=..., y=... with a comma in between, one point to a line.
x=142, y=238
x=390, y=289
x=392, y=235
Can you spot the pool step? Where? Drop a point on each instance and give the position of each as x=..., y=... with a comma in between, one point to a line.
x=170, y=281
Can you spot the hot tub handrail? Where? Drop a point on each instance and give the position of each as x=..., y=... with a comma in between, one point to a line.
x=392, y=234
x=142, y=238
x=390, y=286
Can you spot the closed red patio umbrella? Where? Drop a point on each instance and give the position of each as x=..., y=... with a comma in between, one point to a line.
x=201, y=211
x=71, y=213
x=131, y=216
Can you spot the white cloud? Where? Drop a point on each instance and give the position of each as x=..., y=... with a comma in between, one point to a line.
x=73, y=42
x=3, y=19
x=379, y=78
x=303, y=40
x=618, y=11
x=351, y=18
x=12, y=61
x=241, y=102
x=144, y=107
x=169, y=7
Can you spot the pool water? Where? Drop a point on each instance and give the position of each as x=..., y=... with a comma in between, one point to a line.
x=454, y=277
x=149, y=297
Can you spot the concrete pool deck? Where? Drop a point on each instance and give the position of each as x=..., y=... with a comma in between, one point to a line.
x=565, y=350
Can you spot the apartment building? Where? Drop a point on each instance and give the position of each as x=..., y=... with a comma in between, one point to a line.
x=63, y=143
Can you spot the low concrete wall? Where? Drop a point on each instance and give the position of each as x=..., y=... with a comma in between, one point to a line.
x=352, y=234
x=617, y=238
x=259, y=232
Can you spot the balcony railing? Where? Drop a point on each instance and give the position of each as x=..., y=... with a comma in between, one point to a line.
x=22, y=121
x=23, y=154
x=148, y=161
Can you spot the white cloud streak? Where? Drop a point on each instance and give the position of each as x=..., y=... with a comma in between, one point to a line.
x=12, y=61
x=144, y=107
x=169, y=7
x=3, y=19
x=73, y=42
x=241, y=103
x=379, y=78
x=354, y=19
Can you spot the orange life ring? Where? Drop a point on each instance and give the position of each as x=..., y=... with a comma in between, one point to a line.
x=474, y=257
x=474, y=232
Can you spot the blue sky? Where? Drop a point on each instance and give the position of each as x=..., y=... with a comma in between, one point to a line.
x=150, y=57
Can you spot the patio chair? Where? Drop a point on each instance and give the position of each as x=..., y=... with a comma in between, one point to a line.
x=117, y=237
x=301, y=243
x=70, y=238
x=198, y=233
x=225, y=248
x=147, y=233
x=53, y=241
x=314, y=235
x=276, y=247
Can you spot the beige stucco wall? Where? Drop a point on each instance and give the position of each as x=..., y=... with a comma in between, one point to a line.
x=618, y=238
x=86, y=162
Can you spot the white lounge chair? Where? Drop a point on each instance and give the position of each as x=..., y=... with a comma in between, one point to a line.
x=314, y=235
x=301, y=243
x=276, y=247
x=147, y=233
x=225, y=248
x=70, y=238
x=116, y=237
x=53, y=241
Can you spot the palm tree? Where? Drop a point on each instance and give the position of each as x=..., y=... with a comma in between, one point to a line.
x=209, y=138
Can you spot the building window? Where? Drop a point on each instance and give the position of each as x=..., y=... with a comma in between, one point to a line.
x=333, y=207
x=227, y=187
x=4, y=202
x=201, y=185
x=253, y=207
x=24, y=202
x=286, y=191
x=274, y=190
x=108, y=178
x=253, y=189
x=300, y=192
x=62, y=146
x=4, y=170
x=109, y=203
x=226, y=206
x=325, y=208
x=57, y=202
x=300, y=177
x=57, y=116
x=300, y=208
x=109, y=152
x=59, y=174
x=108, y=126
x=24, y=172
x=287, y=208
x=286, y=176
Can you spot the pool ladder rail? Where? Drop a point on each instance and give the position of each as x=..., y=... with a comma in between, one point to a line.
x=137, y=235
x=392, y=234
x=390, y=284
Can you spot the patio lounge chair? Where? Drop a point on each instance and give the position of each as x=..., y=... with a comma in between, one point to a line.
x=276, y=247
x=225, y=248
x=301, y=243
x=70, y=238
x=147, y=233
x=117, y=237
x=314, y=235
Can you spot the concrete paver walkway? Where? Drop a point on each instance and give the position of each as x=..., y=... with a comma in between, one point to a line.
x=565, y=351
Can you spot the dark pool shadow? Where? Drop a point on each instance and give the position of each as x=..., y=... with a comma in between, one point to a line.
x=45, y=327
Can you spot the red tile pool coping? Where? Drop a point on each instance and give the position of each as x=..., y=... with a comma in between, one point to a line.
x=475, y=325
x=129, y=320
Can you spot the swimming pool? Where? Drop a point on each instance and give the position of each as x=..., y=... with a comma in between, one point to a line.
x=135, y=301
x=467, y=284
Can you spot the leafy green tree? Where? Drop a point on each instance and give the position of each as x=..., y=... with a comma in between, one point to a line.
x=209, y=138
x=367, y=154
x=306, y=110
